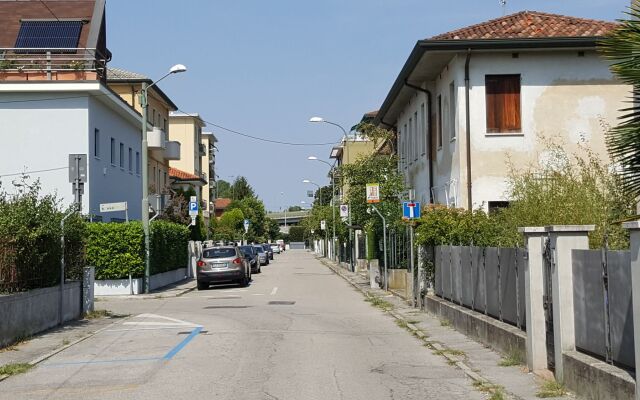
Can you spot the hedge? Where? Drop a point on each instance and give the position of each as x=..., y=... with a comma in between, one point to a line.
x=115, y=249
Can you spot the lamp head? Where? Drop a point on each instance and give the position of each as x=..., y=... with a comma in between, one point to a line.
x=306, y=181
x=312, y=158
x=176, y=69
x=316, y=119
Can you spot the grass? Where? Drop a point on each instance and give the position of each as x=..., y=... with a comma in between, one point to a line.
x=551, y=388
x=18, y=341
x=95, y=314
x=496, y=391
x=445, y=322
x=512, y=358
x=451, y=352
x=380, y=303
x=14, y=369
x=413, y=322
x=65, y=342
x=402, y=323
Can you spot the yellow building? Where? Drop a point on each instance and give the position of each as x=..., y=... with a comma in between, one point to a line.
x=161, y=150
x=209, y=141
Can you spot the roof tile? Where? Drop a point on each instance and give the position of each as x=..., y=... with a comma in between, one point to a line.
x=182, y=175
x=531, y=24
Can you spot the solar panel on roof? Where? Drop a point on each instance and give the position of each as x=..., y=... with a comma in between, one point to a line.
x=49, y=34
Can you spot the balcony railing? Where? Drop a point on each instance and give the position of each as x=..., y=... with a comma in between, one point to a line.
x=52, y=64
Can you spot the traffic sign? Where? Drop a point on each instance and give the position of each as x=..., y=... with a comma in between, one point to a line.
x=246, y=225
x=373, y=193
x=193, y=207
x=323, y=225
x=410, y=210
x=344, y=211
x=112, y=207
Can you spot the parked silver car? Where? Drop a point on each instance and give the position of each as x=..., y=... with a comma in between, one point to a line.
x=275, y=248
x=222, y=264
x=263, y=257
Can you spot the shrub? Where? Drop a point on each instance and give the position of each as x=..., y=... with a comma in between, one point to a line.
x=296, y=234
x=117, y=249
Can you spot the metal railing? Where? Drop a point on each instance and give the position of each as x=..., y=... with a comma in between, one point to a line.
x=52, y=61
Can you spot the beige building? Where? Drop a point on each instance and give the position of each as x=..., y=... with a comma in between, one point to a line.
x=161, y=150
x=209, y=141
x=187, y=129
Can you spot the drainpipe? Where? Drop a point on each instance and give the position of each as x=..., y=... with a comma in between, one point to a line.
x=467, y=88
x=429, y=135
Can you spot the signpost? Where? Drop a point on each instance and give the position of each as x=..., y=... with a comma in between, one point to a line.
x=410, y=210
x=115, y=207
x=193, y=209
x=344, y=211
x=323, y=226
x=78, y=176
x=373, y=193
x=246, y=224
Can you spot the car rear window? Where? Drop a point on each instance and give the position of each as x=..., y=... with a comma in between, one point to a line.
x=219, y=253
x=259, y=249
x=247, y=249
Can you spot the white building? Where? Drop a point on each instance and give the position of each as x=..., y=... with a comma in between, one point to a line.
x=468, y=101
x=43, y=122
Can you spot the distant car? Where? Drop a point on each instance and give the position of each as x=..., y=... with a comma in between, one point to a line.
x=251, y=254
x=222, y=264
x=275, y=248
x=267, y=248
x=283, y=247
x=263, y=257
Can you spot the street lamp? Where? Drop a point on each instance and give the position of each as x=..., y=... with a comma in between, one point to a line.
x=144, y=104
x=333, y=186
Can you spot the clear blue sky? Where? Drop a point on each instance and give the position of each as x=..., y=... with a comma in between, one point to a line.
x=265, y=67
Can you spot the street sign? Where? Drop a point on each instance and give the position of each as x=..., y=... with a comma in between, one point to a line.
x=373, y=193
x=246, y=225
x=112, y=207
x=310, y=193
x=344, y=210
x=77, y=168
x=193, y=207
x=323, y=225
x=410, y=210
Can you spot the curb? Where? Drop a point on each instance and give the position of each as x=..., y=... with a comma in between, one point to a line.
x=421, y=335
x=52, y=353
x=150, y=296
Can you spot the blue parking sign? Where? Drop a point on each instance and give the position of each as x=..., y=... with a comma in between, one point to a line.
x=410, y=210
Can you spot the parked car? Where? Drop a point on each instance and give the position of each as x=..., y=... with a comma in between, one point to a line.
x=263, y=257
x=222, y=264
x=283, y=247
x=267, y=248
x=251, y=254
x=275, y=248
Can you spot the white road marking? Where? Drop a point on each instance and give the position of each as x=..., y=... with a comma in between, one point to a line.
x=257, y=294
x=274, y=291
x=171, y=321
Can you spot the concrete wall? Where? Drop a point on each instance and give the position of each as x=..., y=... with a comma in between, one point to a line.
x=397, y=278
x=25, y=314
x=113, y=287
x=593, y=379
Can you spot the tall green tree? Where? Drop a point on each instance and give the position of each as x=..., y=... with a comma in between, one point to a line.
x=622, y=47
x=272, y=229
x=223, y=189
x=322, y=196
x=241, y=189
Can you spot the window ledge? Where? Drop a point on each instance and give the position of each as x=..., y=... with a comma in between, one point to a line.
x=507, y=134
x=453, y=139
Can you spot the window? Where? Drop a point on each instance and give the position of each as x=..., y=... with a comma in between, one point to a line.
x=415, y=136
x=49, y=35
x=452, y=110
x=121, y=155
x=495, y=206
x=423, y=129
x=503, y=103
x=439, y=121
x=96, y=143
x=113, y=151
x=138, y=163
x=130, y=160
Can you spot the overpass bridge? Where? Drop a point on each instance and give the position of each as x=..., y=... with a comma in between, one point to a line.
x=290, y=218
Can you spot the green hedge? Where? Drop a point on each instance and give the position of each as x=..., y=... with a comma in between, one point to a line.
x=116, y=249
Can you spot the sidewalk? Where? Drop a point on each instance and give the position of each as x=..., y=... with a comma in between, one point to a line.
x=174, y=290
x=479, y=362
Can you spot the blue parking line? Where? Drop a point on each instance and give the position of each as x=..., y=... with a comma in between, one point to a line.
x=182, y=344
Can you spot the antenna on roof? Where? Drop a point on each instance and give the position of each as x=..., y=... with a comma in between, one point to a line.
x=503, y=3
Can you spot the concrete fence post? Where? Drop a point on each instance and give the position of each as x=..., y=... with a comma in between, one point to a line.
x=564, y=239
x=634, y=228
x=88, y=282
x=533, y=295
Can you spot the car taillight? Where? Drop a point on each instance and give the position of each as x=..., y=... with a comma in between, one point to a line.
x=201, y=263
x=237, y=261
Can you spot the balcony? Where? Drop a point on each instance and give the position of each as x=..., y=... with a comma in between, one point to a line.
x=203, y=150
x=156, y=139
x=25, y=64
x=172, y=152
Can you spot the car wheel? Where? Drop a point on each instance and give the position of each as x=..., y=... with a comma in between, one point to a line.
x=259, y=270
x=203, y=285
x=244, y=282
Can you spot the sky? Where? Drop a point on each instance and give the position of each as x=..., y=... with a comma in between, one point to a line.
x=265, y=67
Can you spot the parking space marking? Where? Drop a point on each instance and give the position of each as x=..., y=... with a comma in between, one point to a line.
x=172, y=322
x=182, y=344
x=274, y=291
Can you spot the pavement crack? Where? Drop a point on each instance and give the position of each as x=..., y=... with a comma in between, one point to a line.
x=337, y=384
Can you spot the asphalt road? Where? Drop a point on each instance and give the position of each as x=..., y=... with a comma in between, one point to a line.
x=298, y=332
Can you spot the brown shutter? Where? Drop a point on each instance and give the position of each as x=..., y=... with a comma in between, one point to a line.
x=503, y=103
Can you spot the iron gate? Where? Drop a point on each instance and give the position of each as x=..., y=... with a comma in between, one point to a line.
x=549, y=265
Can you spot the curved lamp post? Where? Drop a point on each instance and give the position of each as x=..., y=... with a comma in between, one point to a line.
x=144, y=104
x=333, y=187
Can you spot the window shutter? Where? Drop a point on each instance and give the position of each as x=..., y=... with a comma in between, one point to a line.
x=503, y=103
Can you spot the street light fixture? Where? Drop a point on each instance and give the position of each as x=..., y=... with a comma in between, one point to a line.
x=333, y=184
x=144, y=104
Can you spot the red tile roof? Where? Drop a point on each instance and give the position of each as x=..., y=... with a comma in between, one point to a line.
x=531, y=24
x=222, y=204
x=182, y=175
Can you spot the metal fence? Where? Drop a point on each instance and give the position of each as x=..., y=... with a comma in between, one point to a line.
x=488, y=280
x=603, y=305
x=399, y=248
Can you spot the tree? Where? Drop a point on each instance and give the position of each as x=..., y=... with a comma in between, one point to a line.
x=296, y=234
x=322, y=196
x=621, y=47
x=253, y=210
x=272, y=229
x=223, y=189
x=241, y=189
x=294, y=209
